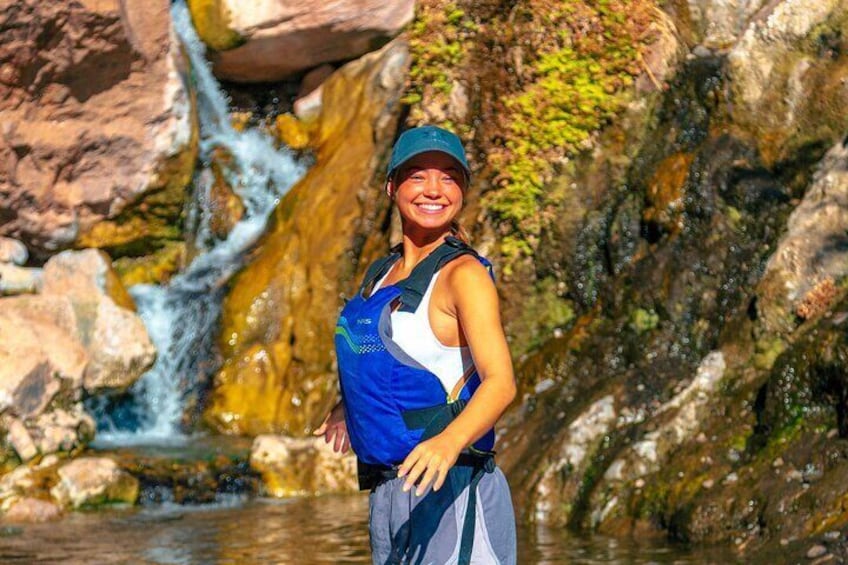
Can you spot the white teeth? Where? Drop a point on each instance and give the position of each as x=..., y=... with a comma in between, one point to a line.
x=432, y=207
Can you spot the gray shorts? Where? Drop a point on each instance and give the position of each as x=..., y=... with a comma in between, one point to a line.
x=427, y=529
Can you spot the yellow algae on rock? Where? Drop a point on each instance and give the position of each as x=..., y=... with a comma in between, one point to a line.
x=212, y=21
x=278, y=318
x=293, y=132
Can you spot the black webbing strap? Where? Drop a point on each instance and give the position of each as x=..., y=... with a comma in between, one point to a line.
x=415, y=285
x=377, y=270
x=434, y=420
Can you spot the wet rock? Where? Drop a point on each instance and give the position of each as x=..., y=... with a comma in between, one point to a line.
x=32, y=510
x=116, y=340
x=678, y=421
x=105, y=120
x=13, y=251
x=94, y=481
x=295, y=466
x=279, y=316
x=249, y=38
x=560, y=481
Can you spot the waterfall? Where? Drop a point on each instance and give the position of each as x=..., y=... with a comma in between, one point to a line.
x=181, y=316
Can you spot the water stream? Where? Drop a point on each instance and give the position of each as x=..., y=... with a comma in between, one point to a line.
x=181, y=317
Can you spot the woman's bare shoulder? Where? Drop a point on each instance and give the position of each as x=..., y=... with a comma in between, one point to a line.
x=467, y=273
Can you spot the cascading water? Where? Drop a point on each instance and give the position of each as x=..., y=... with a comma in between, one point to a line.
x=181, y=316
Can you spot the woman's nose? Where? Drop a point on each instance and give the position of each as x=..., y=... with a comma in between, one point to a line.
x=432, y=185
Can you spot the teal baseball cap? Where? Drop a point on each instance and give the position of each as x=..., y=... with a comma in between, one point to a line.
x=419, y=140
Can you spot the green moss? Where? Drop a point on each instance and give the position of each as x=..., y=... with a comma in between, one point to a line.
x=578, y=82
x=544, y=312
x=767, y=351
x=642, y=320
x=439, y=40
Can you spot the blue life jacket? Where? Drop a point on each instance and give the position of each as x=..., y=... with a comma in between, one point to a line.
x=392, y=403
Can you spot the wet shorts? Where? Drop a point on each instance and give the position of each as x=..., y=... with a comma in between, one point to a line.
x=427, y=529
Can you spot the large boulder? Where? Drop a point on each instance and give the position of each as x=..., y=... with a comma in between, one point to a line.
x=271, y=40
x=97, y=117
x=279, y=317
x=115, y=337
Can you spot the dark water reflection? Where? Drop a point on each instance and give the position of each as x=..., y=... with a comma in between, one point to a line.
x=329, y=529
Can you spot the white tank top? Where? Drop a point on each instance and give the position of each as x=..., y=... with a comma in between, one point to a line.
x=412, y=332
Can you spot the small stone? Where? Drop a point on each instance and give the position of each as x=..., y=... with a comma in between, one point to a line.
x=777, y=462
x=832, y=535
x=784, y=542
x=832, y=433
x=816, y=551
x=701, y=438
x=730, y=478
x=708, y=484
x=701, y=51
x=639, y=483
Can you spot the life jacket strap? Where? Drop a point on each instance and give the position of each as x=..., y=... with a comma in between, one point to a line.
x=415, y=285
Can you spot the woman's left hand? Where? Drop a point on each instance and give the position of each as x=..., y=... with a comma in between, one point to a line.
x=430, y=461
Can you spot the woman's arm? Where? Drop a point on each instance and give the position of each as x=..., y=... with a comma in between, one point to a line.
x=476, y=305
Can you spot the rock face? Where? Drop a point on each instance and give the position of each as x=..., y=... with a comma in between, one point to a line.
x=93, y=481
x=96, y=118
x=278, y=319
x=296, y=466
x=270, y=40
x=700, y=389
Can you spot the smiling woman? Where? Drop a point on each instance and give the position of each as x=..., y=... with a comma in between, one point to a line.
x=425, y=374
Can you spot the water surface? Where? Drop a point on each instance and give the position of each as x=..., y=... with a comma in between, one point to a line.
x=327, y=529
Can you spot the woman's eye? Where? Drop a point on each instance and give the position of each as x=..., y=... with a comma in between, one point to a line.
x=448, y=179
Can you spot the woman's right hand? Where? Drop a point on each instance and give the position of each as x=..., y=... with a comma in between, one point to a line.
x=334, y=429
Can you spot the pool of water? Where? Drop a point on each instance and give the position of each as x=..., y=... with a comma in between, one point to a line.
x=327, y=529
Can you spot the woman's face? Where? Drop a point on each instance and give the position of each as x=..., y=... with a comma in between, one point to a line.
x=428, y=191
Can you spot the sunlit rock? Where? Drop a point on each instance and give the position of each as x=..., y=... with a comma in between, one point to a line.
x=13, y=251
x=812, y=254
x=32, y=511
x=297, y=466
x=94, y=481
x=279, y=317
x=18, y=280
x=714, y=24
x=269, y=40
x=116, y=340
x=102, y=127
x=36, y=355
x=62, y=430
x=19, y=437
x=786, y=76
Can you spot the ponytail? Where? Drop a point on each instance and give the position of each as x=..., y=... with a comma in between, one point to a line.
x=458, y=231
